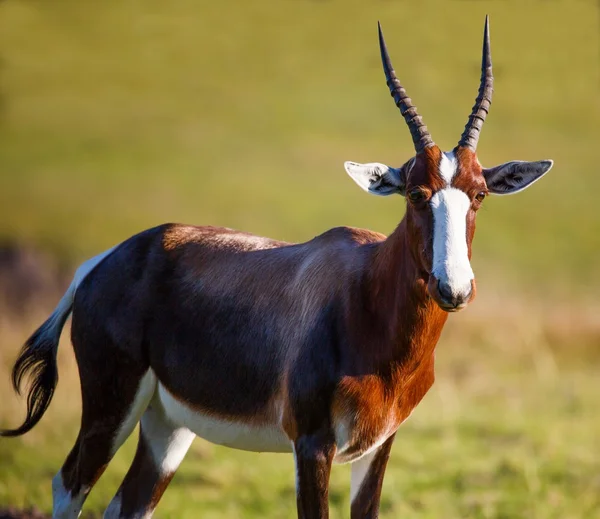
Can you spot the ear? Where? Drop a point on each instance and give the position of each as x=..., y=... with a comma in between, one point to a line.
x=379, y=179
x=514, y=176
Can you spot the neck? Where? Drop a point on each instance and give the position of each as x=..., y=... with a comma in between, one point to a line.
x=399, y=301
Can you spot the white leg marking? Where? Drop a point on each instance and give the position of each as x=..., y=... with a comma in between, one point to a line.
x=64, y=505
x=168, y=443
x=450, y=253
x=296, y=469
x=142, y=398
x=360, y=469
x=114, y=508
x=448, y=166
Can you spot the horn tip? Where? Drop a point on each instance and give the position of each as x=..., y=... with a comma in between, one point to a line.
x=487, y=55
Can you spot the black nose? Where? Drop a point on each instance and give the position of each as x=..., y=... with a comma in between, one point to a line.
x=445, y=292
x=449, y=297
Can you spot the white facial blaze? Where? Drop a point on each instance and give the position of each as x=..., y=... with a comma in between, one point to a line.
x=448, y=166
x=451, y=264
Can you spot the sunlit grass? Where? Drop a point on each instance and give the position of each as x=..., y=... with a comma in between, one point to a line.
x=119, y=115
x=510, y=429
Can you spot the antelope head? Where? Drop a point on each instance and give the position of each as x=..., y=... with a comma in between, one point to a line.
x=444, y=190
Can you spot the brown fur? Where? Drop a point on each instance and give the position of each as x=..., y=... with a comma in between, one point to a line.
x=332, y=336
x=329, y=342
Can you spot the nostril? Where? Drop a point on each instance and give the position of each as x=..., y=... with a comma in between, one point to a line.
x=445, y=292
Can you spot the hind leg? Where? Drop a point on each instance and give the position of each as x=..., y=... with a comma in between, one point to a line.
x=112, y=406
x=161, y=448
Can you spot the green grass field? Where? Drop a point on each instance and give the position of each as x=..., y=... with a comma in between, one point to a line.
x=119, y=115
x=509, y=430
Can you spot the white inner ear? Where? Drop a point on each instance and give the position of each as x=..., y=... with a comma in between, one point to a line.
x=366, y=174
x=450, y=252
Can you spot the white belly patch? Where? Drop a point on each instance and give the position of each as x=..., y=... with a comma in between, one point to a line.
x=235, y=434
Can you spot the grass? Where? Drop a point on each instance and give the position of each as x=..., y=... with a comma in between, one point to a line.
x=509, y=430
x=119, y=115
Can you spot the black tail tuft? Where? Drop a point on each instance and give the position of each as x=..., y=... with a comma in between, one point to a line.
x=37, y=360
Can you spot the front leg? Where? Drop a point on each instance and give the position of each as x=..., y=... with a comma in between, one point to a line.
x=366, y=482
x=313, y=455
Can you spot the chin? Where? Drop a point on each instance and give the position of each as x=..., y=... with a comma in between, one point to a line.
x=450, y=308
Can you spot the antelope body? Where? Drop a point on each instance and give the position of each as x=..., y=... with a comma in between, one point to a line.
x=321, y=349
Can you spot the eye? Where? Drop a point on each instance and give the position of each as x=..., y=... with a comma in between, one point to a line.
x=416, y=195
x=480, y=196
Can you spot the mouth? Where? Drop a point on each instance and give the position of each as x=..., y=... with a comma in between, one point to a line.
x=450, y=308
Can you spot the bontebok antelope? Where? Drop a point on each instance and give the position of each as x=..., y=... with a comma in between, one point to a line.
x=321, y=348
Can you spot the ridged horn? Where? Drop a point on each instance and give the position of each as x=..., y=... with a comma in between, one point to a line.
x=418, y=130
x=470, y=136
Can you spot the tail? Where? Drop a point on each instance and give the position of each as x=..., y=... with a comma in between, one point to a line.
x=37, y=358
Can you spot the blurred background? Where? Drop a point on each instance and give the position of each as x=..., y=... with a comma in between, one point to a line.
x=116, y=116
